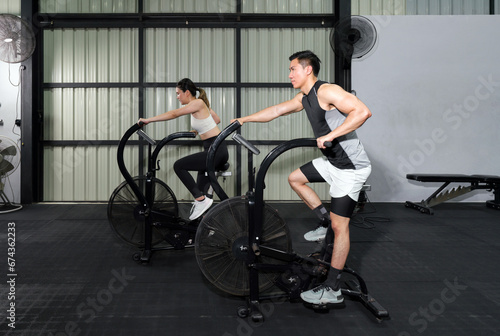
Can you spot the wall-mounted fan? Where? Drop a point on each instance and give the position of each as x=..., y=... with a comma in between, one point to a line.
x=17, y=40
x=9, y=161
x=353, y=37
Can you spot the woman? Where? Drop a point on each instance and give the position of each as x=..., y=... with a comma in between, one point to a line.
x=204, y=122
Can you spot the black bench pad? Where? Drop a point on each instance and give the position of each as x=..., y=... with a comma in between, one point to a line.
x=453, y=178
x=489, y=182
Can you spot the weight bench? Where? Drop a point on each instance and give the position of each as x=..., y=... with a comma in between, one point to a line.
x=489, y=182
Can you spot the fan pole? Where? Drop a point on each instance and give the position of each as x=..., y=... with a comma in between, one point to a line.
x=342, y=9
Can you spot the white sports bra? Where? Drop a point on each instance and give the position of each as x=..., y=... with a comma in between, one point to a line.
x=203, y=125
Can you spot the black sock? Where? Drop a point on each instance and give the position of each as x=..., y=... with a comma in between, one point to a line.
x=333, y=279
x=322, y=214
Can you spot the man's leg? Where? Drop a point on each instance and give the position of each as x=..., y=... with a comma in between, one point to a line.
x=298, y=181
x=341, y=242
x=329, y=292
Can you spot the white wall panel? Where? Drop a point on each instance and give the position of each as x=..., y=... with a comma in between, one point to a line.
x=73, y=173
x=90, y=55
x=265, y=52
x=204, y=55
x=89, y=114
x=190, y=6
x=85, y=173
x=10, y=7
x=88, y=6
x=287, y=6
x=447, y=7
x=378, y=7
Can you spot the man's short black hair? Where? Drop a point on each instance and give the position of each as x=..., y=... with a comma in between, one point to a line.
x=307, y=57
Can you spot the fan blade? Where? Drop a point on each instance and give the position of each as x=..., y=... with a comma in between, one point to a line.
x=11, y=150
x=353, y=37
x=5, y=166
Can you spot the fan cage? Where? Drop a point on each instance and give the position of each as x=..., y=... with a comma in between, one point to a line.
x=17, y=39
x=353, y=37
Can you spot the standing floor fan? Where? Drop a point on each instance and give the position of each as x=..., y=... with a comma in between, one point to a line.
x=17, y=44
x=9, y=161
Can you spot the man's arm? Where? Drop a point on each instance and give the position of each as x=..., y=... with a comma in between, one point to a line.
x=269, y=113
x=357, y=112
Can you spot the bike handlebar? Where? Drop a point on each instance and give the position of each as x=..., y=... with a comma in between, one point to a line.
x=121, y=148
x=244, y=142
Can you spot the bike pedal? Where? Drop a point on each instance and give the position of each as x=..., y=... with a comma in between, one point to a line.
x=324, y=307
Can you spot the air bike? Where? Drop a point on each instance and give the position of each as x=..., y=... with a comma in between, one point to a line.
x=243, y=246
x=143, y=210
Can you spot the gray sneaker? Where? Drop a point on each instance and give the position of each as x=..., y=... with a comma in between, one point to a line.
x=322, y=295
x=317, y=234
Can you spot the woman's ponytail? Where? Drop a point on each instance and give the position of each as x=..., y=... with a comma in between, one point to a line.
x=203, y=96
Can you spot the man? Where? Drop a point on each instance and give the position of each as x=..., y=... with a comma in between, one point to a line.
x=334, y=115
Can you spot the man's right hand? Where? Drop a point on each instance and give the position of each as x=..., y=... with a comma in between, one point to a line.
x=237, y=119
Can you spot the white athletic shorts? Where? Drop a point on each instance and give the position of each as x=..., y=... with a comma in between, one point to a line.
x=343, y=182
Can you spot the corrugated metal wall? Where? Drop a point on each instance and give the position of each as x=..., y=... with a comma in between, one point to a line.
x=204, y=55
x=110, y=55
x=378, y=7
x=189, y=6
x=10, y=7
x=90, y=55
x=447, y=7
x=359, y=7
x=287, y=6
x=265, y=52
x=423, y=7
x=88, y=6
x=79, y=172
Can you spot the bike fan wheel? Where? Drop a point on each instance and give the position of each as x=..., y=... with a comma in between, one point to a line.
x=124, y=211
x=221, y=246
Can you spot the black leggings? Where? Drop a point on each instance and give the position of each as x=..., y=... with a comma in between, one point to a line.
x=198, y=162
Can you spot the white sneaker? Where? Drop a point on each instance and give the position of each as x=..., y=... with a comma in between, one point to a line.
x=199, y=208
x=316, y=235
x=322, y=295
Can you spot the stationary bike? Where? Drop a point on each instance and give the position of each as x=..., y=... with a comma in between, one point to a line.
x=243, y=246
x=143, y=210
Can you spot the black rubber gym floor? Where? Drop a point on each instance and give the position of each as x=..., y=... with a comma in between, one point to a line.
x=436, y=275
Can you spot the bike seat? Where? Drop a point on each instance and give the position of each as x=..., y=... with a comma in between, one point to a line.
x=224, y=167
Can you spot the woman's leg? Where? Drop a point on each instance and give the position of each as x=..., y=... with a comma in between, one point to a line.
x=193, y=162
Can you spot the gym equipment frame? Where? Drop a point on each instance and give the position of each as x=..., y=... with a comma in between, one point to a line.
x=243, y=246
